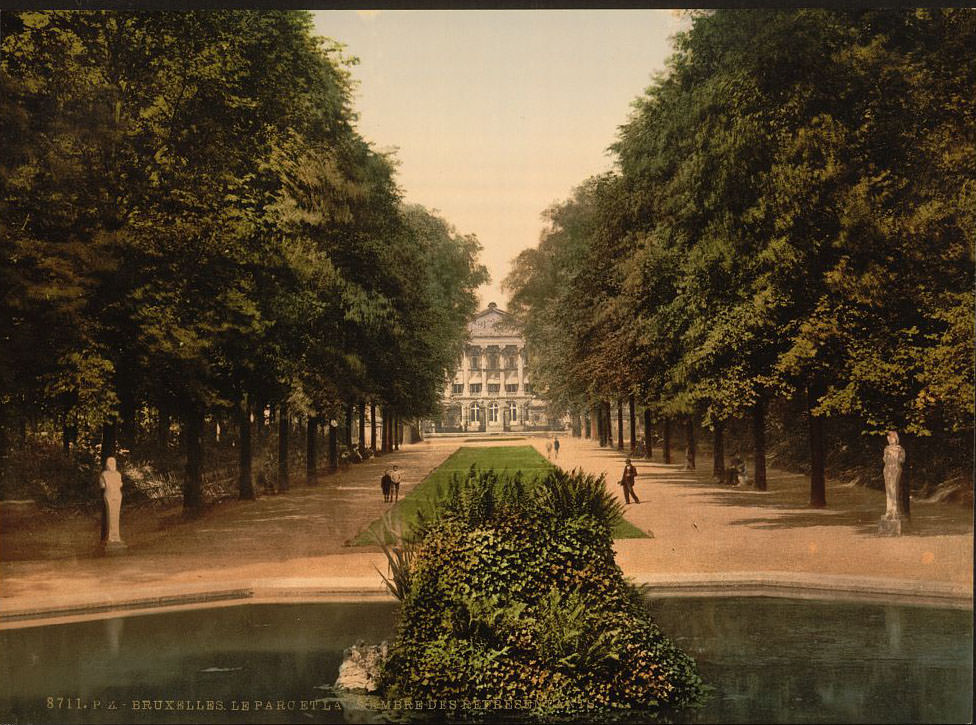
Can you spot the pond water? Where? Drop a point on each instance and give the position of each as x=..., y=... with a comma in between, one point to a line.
x=768, y=660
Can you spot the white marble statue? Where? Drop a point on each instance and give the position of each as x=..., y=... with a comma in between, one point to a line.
x=894, y=518
x=111, y=484
x=894, y=457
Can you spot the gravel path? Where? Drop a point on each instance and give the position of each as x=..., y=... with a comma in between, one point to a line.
x=702, y=526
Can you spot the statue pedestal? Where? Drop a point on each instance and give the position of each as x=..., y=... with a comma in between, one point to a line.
x=114, y=548
x=893, y=526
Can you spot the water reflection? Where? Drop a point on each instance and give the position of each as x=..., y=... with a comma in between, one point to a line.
x=769, y=660
x=778, y=660
x=113, y=634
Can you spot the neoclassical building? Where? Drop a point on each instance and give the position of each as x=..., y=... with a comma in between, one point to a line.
x=492, y=388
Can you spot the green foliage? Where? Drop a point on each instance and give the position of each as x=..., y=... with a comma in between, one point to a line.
x=792, y=211
x=189, y=218
x=399, y=556
x=516, y=597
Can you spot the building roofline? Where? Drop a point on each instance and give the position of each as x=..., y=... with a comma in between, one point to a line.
x=492, y=307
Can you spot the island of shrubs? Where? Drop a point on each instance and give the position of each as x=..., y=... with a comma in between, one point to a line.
x=511, y=596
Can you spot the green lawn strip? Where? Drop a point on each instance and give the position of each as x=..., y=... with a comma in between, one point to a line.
x=501, y=458
x=499, y=440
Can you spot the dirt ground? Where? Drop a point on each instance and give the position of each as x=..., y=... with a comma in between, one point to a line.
x=702, y=526
x=697, y=527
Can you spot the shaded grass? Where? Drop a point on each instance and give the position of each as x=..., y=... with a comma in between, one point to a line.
x=504, y=459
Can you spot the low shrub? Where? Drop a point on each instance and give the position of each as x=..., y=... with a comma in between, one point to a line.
x=515, y=597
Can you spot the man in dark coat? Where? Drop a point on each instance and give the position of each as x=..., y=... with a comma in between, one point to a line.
x=627, y=481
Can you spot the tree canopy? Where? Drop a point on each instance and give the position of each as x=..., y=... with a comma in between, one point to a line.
x=189, y=218
x=791, y=214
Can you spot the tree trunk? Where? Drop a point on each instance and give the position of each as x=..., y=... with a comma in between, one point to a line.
x=667, y=440
x=818, y=478
x=311, y=451
x=586, y=426
x=759, y=443
x=372, y=425
x=620, y=424
x=397, y=432
x=262, y=421
x=905, y=482
x=690, y=444
x=127, y=412
x=648, y=446
x=3, y=432
x=608, y=422
x=283, y=427
x=22, y=420
x=107, y=445
x=718, y=451
x=193, y=442
x=245, y=469
x=601, y=427
x=162, y=428
x=350, y=408
x=384, y=430
x=108, y=442
x=333, y=446
x=69, y=434
x=633, y=423
x=362, y=427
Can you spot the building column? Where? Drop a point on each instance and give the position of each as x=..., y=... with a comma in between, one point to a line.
x=520, y=364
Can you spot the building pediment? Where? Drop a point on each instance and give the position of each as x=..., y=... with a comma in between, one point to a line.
x=492, y=322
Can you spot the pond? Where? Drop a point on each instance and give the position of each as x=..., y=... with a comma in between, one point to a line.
x=768, y=660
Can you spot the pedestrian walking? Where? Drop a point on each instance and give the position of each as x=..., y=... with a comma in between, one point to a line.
x=733, y=469
x=386, y=483
x=548, y=449
x=555, y=447
x=395, y=482
x=738, y=475
x=627, y=481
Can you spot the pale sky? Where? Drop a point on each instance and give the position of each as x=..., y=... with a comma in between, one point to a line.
x=497, y=114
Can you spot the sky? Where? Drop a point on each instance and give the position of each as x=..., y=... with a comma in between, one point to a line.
x=497, y=114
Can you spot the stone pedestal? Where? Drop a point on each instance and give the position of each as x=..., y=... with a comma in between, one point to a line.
x=892, y=526
x=114, y=548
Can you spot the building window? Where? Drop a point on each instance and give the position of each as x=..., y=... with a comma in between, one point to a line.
x=528, y=388
x=474, y=388
x=474, y=362
x=457, y=388
x=493, y=412
x=475, y=410
x=511, y=387
x=494, y=387
x=512, y=363
x=513, y=412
